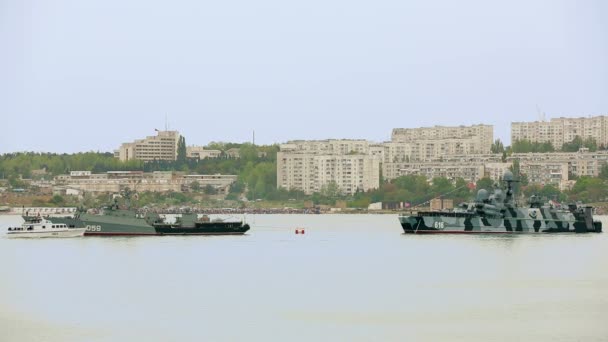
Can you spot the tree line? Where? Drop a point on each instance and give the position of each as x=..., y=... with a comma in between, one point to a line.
x=527, y=146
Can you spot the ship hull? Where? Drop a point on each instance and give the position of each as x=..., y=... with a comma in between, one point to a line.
x=464, y=223
x=100, y=225
x=223, y=228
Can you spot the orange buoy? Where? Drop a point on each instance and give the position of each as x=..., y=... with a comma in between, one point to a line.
x=297, y=231
x=302, y=232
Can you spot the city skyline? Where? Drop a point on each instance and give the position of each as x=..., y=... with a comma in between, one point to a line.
x=119, y=145
x=87, y=76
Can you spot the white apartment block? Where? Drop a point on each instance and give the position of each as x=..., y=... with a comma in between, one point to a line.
x=554, y=173
x=582, y=163
x=426, y=150
x=199, y=152
x=157, y=181
x=163, y=146
x=427, y=143
x=482, y=134
x=470, y=167
x=331, y=146
x=540, y=168
x=311, y=171
x=562, y=130
x=469, y=171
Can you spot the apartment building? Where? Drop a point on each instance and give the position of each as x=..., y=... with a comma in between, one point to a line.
x=546, y=172
x=200, y=152
x=469, y=171
x=426, y=143
x=311, y=171
x=162, y=146
x=562, y=130
x=539, y=168
x=582, y=163
x=330, y=146
x=157, y=181
x=482, y=134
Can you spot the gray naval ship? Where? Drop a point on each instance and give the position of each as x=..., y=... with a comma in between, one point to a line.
x=112, y=221
x=499, y=213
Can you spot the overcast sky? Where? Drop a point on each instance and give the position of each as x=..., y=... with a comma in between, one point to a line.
x=89, y=75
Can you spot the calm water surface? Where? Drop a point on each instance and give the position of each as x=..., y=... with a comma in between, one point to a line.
x=349, y=278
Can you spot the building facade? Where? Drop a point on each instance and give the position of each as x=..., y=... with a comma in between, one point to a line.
x=311, y=171
x=562, y=130
x=199, y=152
x=427, y=143
x=157, y=181
x=162, y=146
x=540, y=168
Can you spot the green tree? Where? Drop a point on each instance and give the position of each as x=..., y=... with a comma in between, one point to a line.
x=551, y=192
x=195, y=186
x=526, y=146
x=484, y=183
x=591, y=144
x=520, y=178
x=462, y=192
x=181, y=150
x=604, y=172
x=58, y=200
x=574, y=145
x=210, y=190
x=589, y=189
x=497, y=147
x=331, y=190
x=441, y=185
x=248, y=153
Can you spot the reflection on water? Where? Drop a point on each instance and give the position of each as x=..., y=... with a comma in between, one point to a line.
x=349, y=277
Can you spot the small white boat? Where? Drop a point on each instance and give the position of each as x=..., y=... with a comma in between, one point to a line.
x=38, y=227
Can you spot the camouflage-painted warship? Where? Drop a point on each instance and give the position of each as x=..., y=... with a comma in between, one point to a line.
x=499, y=213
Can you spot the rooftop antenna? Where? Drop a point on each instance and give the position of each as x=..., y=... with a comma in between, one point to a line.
x=254, y=137
x=166, y=123
x=541, y=115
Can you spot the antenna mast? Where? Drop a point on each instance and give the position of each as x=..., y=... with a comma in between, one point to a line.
x=541, y=115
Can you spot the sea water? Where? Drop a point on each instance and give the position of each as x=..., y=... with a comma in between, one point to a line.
x=347, y=278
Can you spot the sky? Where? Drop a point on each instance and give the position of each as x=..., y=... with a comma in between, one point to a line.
x=81, y=76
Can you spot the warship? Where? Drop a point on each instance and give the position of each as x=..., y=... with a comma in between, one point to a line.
x=110, y=221
x=189, y=223
x=114, y=221
x=499, y=213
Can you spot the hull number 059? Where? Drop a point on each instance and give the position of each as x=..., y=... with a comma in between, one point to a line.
x=91, y=228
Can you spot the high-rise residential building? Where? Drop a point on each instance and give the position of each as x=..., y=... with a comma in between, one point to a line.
x=425, y=143
x=562, y=130
x=332, y=146
x=162, y=146
x=157, y=181
x=309, y=166
x=480, y=134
